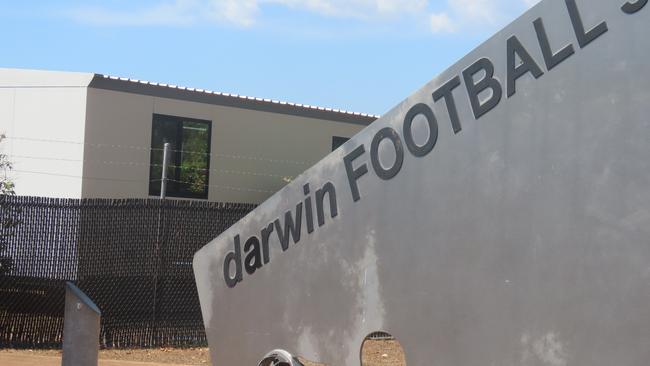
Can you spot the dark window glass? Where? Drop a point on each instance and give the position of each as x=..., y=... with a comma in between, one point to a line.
x=189, y=160
x=338, y=141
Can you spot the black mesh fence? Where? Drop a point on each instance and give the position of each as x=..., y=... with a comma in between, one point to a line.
x=133, y=258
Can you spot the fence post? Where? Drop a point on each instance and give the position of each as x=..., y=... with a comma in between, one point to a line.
x=163, y=180
x=163, y=192
x=80, y=329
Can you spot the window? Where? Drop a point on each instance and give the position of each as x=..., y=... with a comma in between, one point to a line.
x=189, y=161
x=338, y=141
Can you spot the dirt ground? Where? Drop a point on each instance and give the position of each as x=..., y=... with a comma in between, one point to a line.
x=382, y=353
x=177, y=356
x=374, y=353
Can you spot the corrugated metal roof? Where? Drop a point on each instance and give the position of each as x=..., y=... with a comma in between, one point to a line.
x=237, y=96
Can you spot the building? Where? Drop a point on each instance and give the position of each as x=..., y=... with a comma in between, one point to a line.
x=84, y=135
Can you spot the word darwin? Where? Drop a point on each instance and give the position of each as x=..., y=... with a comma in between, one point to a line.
x=256, y=251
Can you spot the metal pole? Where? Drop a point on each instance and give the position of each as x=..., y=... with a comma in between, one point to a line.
x=163, y=191
x=163, y=181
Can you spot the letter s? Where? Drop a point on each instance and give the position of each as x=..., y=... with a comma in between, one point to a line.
x=632, y=7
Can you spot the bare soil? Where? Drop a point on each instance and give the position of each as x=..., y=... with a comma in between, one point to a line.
x=382, y=353
x=374, y=353
x=180, y=356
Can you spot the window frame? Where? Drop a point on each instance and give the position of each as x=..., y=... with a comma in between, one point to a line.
x=339, y=140
x=174, y=189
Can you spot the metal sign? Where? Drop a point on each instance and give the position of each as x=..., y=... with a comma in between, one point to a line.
x=80, y=329
x=498, y=216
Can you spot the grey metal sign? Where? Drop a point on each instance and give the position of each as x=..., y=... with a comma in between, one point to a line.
x=498, y=216
x=80, y=329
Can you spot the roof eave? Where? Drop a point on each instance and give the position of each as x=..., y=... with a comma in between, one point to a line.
x=229, y=100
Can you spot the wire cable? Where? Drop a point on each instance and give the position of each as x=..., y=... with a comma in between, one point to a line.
x=224, y=187
x=80, y=177
x=241, y=189
x=143, y=148
x=133, y=163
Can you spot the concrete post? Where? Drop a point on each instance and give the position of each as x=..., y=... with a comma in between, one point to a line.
x=80, y=329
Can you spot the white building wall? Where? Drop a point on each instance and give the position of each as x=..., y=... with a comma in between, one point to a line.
x=43, y=114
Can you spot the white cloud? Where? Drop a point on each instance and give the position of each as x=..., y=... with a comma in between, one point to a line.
x=441, y=23
x=454, y=16
x=477, y=14
x=484, y=11
x=356, y=8
x=238, y=12
x=243, y=12
x=174, y=13
x=530, y=3
x=180, y=12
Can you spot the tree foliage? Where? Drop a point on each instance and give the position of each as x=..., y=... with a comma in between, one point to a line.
x=8, y=214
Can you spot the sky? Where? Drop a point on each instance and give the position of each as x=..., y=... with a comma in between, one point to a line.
x=358, y=55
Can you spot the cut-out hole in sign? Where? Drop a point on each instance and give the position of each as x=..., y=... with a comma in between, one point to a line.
x=382, y=349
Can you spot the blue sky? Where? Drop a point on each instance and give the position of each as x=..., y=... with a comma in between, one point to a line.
x=359, y=55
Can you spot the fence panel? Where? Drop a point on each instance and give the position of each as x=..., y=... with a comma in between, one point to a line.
x=132, y=257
